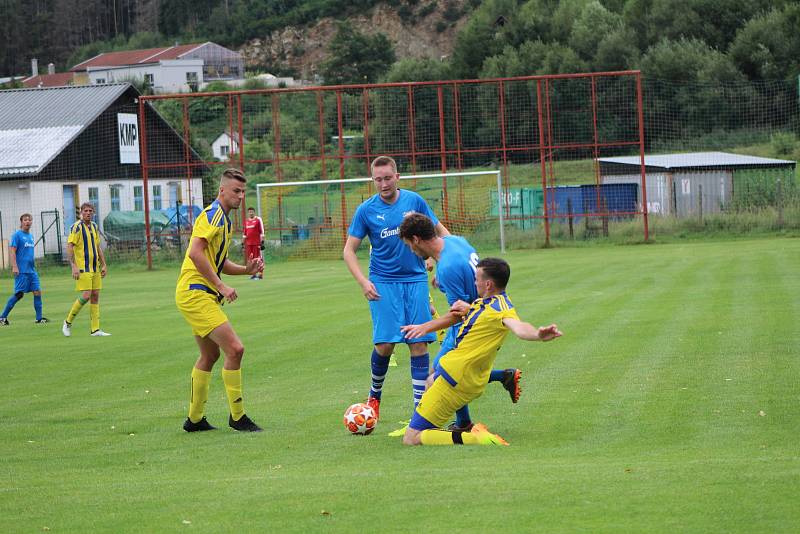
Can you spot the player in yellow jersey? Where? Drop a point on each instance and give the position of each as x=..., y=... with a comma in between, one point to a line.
x=88, y=269
x=199, y=296
x=464, y=371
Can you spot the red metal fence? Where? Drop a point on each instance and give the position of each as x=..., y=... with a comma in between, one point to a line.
x=545, y=133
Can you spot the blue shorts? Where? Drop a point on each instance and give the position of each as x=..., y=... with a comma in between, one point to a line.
x=401, y=303
x=26, y=282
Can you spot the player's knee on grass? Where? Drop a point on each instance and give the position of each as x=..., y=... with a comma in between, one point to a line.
x=18, y=295
x=95, y=296
x=418, y=349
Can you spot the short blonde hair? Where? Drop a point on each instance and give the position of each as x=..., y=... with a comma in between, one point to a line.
x=382, y=161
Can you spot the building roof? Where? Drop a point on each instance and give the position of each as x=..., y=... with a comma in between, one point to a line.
x=37, y=124
x=135, y=57
x=694, y=160
x=48, y=80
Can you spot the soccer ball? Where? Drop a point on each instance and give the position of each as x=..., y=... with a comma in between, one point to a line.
x=360, y=419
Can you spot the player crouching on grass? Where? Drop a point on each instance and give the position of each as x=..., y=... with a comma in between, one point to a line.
x=463, y=372
x=199, y=295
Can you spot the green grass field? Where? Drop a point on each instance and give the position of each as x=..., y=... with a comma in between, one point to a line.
x=671, y=403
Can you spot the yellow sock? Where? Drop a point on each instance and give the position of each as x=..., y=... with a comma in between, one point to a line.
x=199, y=394
x=233, y=387
x=76, y=308
x=445, y=437
x=94, y=316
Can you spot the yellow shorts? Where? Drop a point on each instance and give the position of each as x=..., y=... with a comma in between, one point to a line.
x=201, y=310
x=88, y=281
x=441, y=400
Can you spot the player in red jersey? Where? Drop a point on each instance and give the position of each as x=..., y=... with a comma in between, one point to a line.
x=254, y=239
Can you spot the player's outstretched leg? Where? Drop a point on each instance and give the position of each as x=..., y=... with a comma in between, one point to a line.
x=510, y=381
x=479, y=435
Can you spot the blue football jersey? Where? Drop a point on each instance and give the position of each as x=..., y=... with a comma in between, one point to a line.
x=23, y=242
x=455, y=270
x=391, y=260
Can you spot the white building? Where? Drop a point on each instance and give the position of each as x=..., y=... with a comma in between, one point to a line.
x=225, y=145
x=62, y=146
x=174, y=69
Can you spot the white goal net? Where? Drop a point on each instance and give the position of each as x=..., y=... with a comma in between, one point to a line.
x=310, y=219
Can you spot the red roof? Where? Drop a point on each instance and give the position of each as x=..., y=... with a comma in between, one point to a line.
x=135, y=57
x=48, y=80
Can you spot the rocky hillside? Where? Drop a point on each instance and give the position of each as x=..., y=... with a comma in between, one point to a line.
x=428, y=32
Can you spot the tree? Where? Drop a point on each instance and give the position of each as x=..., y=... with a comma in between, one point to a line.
x=417, y=70
x=689, y=60
x=592, y=26
x=768, y=46
x=356, y=57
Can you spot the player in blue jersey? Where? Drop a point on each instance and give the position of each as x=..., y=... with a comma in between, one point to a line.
x=26, y=279
x=397, y=287
x=455, y=274
x=463, y=372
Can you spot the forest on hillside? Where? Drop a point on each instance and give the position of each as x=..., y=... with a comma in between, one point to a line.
x=713, y=41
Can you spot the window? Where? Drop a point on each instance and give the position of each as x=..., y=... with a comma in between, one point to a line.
x=94, y=198
x=156, y=197
x=115, y=205
x=100, y=80
x=224, y=151
x=138, y=198
x=148, y=80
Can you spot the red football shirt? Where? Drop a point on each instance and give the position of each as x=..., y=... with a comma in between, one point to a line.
x=253, y=230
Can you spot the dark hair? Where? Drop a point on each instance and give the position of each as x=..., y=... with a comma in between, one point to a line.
x=382, y=161
x=417, y=224
x=87, y=204
x=234, y=174
x=251, y=208
x=497, y=270
x=25, y=215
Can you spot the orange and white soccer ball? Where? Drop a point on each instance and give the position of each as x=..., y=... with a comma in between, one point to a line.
x=360, y=419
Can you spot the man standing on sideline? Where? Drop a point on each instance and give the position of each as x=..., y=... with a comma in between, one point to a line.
x=199, y=296
x=455, y=273
x=253, y=239
x=397, y=287
x=26, y=279
x=88, y=269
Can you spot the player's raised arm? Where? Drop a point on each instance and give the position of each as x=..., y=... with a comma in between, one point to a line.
x=351, y=260
x=528, y=332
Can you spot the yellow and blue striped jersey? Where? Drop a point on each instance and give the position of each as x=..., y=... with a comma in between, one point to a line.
x=85, y=241
x=214, y=226
x=479, y=338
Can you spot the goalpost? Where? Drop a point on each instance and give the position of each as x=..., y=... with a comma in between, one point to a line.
x=310, y=219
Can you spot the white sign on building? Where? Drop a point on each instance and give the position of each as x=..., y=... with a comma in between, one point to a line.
x=128, y=135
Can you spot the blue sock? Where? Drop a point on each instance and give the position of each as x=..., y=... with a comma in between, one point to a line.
x=9, y=305
x=419, y=374
x=496, y=375
x=380, y=366
x=462, y=416
x=37, y=305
